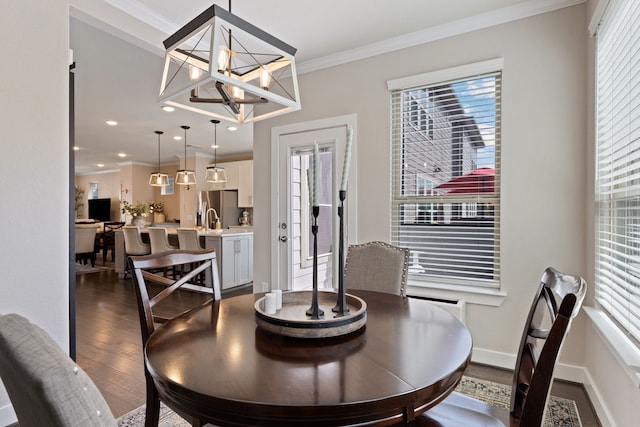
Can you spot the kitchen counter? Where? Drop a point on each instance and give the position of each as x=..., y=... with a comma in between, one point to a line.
x=234, y=252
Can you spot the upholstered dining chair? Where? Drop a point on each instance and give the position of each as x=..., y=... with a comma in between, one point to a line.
x=45, y=386
x=159, y=239
x=556, y=303
x=85, y=243
x=144, y=271
x=377, y=266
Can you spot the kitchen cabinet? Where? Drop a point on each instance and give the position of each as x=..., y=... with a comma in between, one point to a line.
x=234, y=252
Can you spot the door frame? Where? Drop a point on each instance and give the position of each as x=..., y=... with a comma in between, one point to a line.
x=351, y=204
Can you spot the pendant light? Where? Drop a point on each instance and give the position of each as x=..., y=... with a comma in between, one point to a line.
x=158, y=179
x=215, y=174
x=185, y=176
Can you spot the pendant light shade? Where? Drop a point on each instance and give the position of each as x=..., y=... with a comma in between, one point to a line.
x=185, y=176
x=158, y=179
x=214, y=173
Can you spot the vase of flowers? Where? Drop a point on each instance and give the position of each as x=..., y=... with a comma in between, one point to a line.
x=138, y=212
x=157, y=209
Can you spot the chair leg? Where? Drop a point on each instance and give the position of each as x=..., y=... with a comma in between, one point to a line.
x=152, y=413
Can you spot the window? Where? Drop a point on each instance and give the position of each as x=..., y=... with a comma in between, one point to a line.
x=445, y=171
x=617, y=257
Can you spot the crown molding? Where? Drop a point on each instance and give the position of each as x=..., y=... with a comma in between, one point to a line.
x=439, y=32
x=478, y=22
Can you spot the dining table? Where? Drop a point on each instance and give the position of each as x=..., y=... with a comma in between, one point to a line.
x=217, y=364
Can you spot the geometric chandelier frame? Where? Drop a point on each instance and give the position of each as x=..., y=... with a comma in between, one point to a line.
x=222, y=66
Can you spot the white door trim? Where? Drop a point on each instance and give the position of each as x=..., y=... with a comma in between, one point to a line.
x=277, y=132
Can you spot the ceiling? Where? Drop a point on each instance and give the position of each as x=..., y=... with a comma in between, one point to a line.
x=118, y=80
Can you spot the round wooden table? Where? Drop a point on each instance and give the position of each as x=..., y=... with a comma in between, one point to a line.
x=215, y=363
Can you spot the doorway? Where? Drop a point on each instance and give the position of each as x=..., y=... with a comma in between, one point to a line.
x=292, y=254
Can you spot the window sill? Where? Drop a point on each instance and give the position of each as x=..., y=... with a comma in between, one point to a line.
x=470, y=294
x=624, y=350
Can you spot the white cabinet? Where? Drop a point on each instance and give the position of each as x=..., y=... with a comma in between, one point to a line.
x=234, y=252
x=245, y=184
x=232, y=170
x=237, y=260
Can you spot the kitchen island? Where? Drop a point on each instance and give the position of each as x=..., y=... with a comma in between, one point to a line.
x=234, y=252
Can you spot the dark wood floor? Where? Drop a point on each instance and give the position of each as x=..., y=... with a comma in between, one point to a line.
x=109, y=345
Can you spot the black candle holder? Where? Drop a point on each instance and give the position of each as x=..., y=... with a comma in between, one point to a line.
x=314, y=311
x=341, y=307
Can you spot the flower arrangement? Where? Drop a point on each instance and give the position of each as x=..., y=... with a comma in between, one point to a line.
x=139, y=209
x=156, y=207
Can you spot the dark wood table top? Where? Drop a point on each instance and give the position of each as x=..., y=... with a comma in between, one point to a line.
x=215, y=362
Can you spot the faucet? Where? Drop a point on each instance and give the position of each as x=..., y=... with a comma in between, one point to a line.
x=206, y=217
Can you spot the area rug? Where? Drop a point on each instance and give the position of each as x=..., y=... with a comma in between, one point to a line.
x=86, y=268
x=560, y=412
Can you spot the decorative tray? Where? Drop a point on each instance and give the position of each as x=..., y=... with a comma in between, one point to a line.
x=292, y=321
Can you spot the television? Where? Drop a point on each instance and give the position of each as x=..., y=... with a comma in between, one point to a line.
x=100, y=209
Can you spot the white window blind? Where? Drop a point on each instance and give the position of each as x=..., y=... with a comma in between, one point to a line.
x=618, y=165
x=445, y=172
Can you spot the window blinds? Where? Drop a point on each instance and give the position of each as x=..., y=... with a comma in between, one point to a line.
x=618, y=165
x=445, y=172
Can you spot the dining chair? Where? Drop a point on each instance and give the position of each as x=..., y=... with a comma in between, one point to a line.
x=85, y=243
x=144, y=271
x=108, y=239
x=556, y=303
x=45, y=386
x=377, y=266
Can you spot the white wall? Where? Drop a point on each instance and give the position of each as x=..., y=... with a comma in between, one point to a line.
x=34, y=123
x=543, y=154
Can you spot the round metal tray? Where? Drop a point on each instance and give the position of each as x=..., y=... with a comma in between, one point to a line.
x=292, y=320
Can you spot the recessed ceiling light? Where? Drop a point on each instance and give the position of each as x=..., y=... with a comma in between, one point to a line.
x=177, y=138
x=232, y=128
x=168, y=108
x=75, y=148
x=215, y=146
x=100, y=165
x=111, y=122
x=122, y=155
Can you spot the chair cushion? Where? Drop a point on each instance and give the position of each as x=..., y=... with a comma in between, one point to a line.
x=45, y=386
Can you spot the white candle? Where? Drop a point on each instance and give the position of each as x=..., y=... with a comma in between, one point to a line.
x=347, y=161
x=316, y=154
x=270, y=303
x=278, y=293
x=309, y=186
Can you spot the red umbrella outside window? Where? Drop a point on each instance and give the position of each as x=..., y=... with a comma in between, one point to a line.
x=481, y=180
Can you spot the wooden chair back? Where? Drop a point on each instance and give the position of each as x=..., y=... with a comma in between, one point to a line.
x=377, y=266
x=557, y=301
x=148, y=269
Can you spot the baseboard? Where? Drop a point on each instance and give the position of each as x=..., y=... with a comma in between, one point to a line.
x=576, y=374
x=604, y=415
x=7, y=415
x=566, y=372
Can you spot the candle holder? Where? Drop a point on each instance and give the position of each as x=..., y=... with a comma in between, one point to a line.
x=314, y=311
x=341, y=307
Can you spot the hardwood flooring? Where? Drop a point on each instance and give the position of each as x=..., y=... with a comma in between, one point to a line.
x=109, y=345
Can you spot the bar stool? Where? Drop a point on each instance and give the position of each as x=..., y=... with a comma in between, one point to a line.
x=159, y=239
x=188, y=239
x=133, y=244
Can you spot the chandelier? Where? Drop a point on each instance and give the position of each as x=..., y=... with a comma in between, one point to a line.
x=222, y=66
